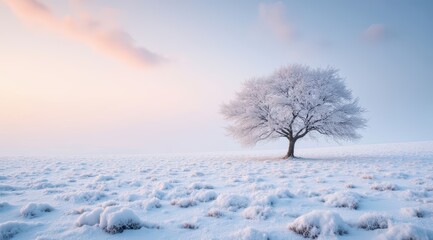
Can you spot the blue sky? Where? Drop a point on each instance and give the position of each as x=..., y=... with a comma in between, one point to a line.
x=65, y=90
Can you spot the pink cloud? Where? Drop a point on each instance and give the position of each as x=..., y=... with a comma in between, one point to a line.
x=375, y=33
x=103, y=36
x=273, y=16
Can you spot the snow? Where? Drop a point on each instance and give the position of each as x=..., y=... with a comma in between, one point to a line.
x=10, y=229
x=151, y=203
x=319, y=223
x=32, y=210
x=232, y=202
x=87, y=196
x=198, y=186
x=215, y=212
x=114, y=220
x=406, y=231
x=183, y=202
x=413, y=212
x=250, y=234
x=90, y=218
x=4, y=206
x=342, y=200
x=384, y=187
x=257, y=212
x=293, y=102
x=373, y=221
x=327, y=194
x=205, y=196
x=284, y=193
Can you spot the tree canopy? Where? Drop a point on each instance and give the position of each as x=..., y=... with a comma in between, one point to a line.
x=291, y=103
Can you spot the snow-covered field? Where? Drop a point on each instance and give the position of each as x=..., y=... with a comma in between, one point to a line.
x=363, y=192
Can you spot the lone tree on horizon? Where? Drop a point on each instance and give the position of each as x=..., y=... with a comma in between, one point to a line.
x=293, y=102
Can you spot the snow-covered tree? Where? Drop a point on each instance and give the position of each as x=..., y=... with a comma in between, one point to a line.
x=292, y=103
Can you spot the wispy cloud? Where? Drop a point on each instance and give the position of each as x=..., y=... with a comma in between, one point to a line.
x=273, y=17
x=375, y=33
x=101, y=35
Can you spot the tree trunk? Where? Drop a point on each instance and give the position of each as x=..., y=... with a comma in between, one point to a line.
x=291, y=151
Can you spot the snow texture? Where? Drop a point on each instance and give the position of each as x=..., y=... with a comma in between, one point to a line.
x=373, y=221
x=84, y=197
x=206, y=196
x=250, y=234
x=90, y=218
x=232, y=202
x=384, y=187
x=10, y=229
x=4, y=206
x=413, y=212
x=319, y=223
x=151, y=203
x=32, y=210
x=114, y=220
x=343, y=200
x=406, y=232
x=257, y=212
x=234, y=195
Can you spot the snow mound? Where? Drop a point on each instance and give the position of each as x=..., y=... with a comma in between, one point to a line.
x=343, y=200
x=114, y=220
x=89, y=218
x=384, y=187
x=199, y=186
x=284, y=193
x=414, y=195
x=319, y=223
x=104, y=178
x=215, y=212
x=178, y=192
x=151, y=203
x=250, y=234
x=80, y=197
x=257, y=212
x=165, y=186
x=9, y=229
x=406, y=232
x=232, y=202
x=373, y=221
x=189, y=225
x=307, y=193
x=45, y=185
x=367, y=176
x=183, y=202
x=131, y=197
x=205, y=196
x=108, y=204
x=32, y=210
x=413, y=212
x=158, y=194
x=4, y=206
x=398, y=175
x=262, y=186
x=265, y=200
x=77, y=211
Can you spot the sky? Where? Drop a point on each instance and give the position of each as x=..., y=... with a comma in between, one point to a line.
x=114, y=77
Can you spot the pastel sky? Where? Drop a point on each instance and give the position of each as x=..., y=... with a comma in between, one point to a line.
x=113, y=76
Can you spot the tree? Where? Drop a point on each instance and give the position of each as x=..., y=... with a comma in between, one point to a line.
x=292, y=103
